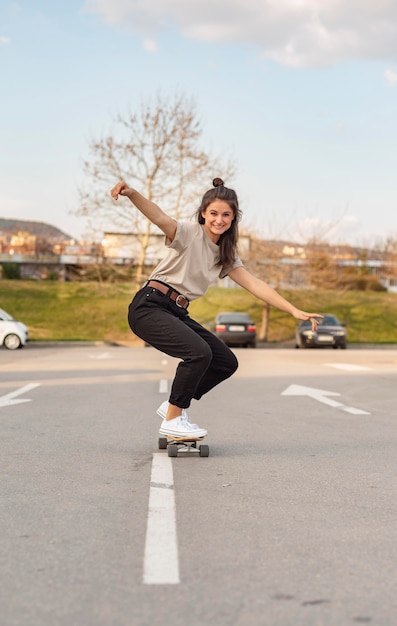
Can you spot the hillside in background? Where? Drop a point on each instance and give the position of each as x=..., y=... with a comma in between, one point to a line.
x=40, y=229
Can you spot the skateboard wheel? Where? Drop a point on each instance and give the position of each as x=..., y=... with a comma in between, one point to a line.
x=172, y=450
x=204, y=450
x=162, y=443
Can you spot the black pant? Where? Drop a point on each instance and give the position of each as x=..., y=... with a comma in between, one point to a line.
x=205, y=360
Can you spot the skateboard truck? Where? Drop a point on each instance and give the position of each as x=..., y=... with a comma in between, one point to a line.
x=175, y=447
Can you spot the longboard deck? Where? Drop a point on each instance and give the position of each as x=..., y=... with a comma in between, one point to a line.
x=182, y=439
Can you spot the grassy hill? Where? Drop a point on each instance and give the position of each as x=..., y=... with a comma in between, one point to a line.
x=98, y=312
x=40, y=229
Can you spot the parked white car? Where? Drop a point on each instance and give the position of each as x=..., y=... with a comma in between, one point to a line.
x=13, y=334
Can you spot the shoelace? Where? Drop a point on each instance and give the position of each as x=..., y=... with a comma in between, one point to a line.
x=185, y=419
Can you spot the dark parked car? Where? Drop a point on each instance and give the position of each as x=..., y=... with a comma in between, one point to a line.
x=330, y=332
x=236, y=329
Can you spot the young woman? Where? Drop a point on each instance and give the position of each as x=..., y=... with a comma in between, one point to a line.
x=198, y=253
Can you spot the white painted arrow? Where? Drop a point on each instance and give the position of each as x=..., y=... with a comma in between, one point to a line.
x=322, y=396
x=8, y=399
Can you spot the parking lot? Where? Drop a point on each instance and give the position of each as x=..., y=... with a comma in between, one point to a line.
x=291, y=520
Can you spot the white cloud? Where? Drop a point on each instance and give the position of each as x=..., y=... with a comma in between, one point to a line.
x=339, y=230
x=296, y=33
x=4, y=40
x=150, y=45
x=391, y=77
x=340, y=128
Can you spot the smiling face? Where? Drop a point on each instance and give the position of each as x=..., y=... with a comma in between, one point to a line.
x=218, y=218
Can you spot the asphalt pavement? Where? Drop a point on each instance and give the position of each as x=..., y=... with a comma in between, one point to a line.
x=291, y=520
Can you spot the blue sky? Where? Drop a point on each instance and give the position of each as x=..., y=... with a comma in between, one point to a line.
x=301, y=93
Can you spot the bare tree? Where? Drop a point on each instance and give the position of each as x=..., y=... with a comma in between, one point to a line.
x=159, y=153
x=386, y=252
x=265, y=261
x=322, y=270
x=342, y=268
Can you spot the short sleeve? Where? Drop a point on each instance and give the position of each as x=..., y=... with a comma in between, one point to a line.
x=225, y=270
x=183, y=236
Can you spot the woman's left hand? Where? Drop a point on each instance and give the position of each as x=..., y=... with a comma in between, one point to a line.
x=315, y=318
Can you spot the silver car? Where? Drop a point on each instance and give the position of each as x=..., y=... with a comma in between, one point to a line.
x=13, y=334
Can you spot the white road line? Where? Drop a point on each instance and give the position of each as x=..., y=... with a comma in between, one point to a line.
x=163, y=387
x=349, y=367
x=161, y=565
x=102, y=355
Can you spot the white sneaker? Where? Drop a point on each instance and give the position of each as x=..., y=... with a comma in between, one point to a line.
x=178, y=428
x=162, y=411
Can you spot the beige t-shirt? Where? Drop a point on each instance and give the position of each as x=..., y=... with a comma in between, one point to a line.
x=190, y=266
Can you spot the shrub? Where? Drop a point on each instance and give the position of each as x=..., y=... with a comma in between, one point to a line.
x=11, y=271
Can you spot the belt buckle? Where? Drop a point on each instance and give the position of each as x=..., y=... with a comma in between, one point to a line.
x=180, y=298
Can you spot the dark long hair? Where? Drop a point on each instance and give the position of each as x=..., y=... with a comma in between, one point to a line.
x=228, y=240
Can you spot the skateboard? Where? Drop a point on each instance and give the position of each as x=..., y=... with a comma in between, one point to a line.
x=175, y=446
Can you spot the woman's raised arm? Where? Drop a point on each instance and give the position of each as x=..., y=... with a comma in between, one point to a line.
x=148, y=208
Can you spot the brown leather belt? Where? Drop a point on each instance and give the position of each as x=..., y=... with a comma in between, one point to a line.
x=174, y=295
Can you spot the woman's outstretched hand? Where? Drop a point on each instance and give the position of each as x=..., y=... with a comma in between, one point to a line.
x=120, y=189
x=315, y=318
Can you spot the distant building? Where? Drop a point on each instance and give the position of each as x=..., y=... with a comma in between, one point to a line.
x=38, y=251
x=125, y=248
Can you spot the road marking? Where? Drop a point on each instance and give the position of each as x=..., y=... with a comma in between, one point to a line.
x=161, y=565
x=163, y=387
x=8, y=399
x=102, y=355
x=322, y=396
x=349, y=367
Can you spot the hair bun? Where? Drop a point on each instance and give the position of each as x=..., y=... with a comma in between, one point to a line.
x=217, y=182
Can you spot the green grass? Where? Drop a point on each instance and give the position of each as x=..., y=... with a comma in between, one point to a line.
x=68, y=311
x=98, y=312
